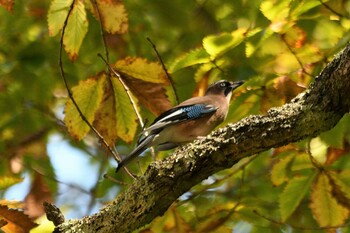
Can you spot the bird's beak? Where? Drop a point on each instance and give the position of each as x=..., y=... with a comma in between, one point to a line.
x=236, y=84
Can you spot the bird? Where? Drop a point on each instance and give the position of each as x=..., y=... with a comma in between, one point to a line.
x=191, y=119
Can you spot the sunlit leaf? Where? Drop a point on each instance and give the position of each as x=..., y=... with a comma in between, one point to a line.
x=57, y=14
x=197, y=56
x=318, y=150
x=88, y=95
x=218, y=44
x=7, y=181
x=7, y=4
x=125, y=115
x=296, y=9
x=76, y=29
x=140, y=68
x=293, y=194
x=114, y=16
x=326, y=209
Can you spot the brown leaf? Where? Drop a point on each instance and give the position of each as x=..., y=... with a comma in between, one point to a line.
x=282, y=90
x=7, y=4
x=114, y=16
x=17, y=221
x=151, y=95
x=296, y=37
x=105, y=118
x=39, y=192
x=325, y=207
x=333, y=154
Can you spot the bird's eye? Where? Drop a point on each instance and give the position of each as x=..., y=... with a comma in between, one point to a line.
x=223, y=84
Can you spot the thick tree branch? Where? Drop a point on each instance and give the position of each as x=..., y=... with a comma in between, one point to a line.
x=316, y=110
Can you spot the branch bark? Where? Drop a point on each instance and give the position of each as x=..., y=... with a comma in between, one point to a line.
x=317, y=109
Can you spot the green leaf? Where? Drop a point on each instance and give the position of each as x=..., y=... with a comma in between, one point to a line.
x=342, y=180
x=88, y=95
x=281, y=169
x=142, y=69
x=76, y=30
x=57, y=14
x=300, y=7
x=7, y=181
x=275, y=11
x=325, y=207
x=194, y=57
x=218, y=44
x=125, y=114
x=293, y=194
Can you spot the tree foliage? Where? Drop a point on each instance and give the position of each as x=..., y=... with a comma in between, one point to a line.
x=277, y=47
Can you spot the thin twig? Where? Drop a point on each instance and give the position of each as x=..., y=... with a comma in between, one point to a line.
x=108, y=177
x=296, y=56
x=330, y=9
x=165, y=70
x=297, y=227
x=70, y=94
x=103, y=34
x=126, y=88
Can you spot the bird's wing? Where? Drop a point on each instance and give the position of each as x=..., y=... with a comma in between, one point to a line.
x=179, y=114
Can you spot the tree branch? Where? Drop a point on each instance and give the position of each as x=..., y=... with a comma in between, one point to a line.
x=316, y=110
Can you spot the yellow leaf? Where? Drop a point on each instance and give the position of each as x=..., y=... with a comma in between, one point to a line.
x=142, y=69
x=114, y=16
x=57, y=14
x=342, y=180
x=76, y=30
x=105, y=117
x=125, y=115
x=280, y=170
x=88, y=95
x=7, y=181
x=326, y=209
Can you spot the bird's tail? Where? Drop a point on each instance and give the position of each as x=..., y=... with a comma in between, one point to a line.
x=143, y=145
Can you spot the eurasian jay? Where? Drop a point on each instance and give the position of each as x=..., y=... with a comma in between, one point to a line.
x=193, y=118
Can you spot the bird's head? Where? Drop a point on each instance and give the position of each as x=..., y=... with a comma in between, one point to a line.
x=223, y=87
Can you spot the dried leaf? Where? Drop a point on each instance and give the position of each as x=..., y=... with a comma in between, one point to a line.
x=76, y=30
x=105, y=118
x=342, y=180
x=333, y=154
x=17, y=221
x=151, y=95
x=114, y=16
x=326, y=209
x=88, y=95
x=282, y=90
x=7, y=4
